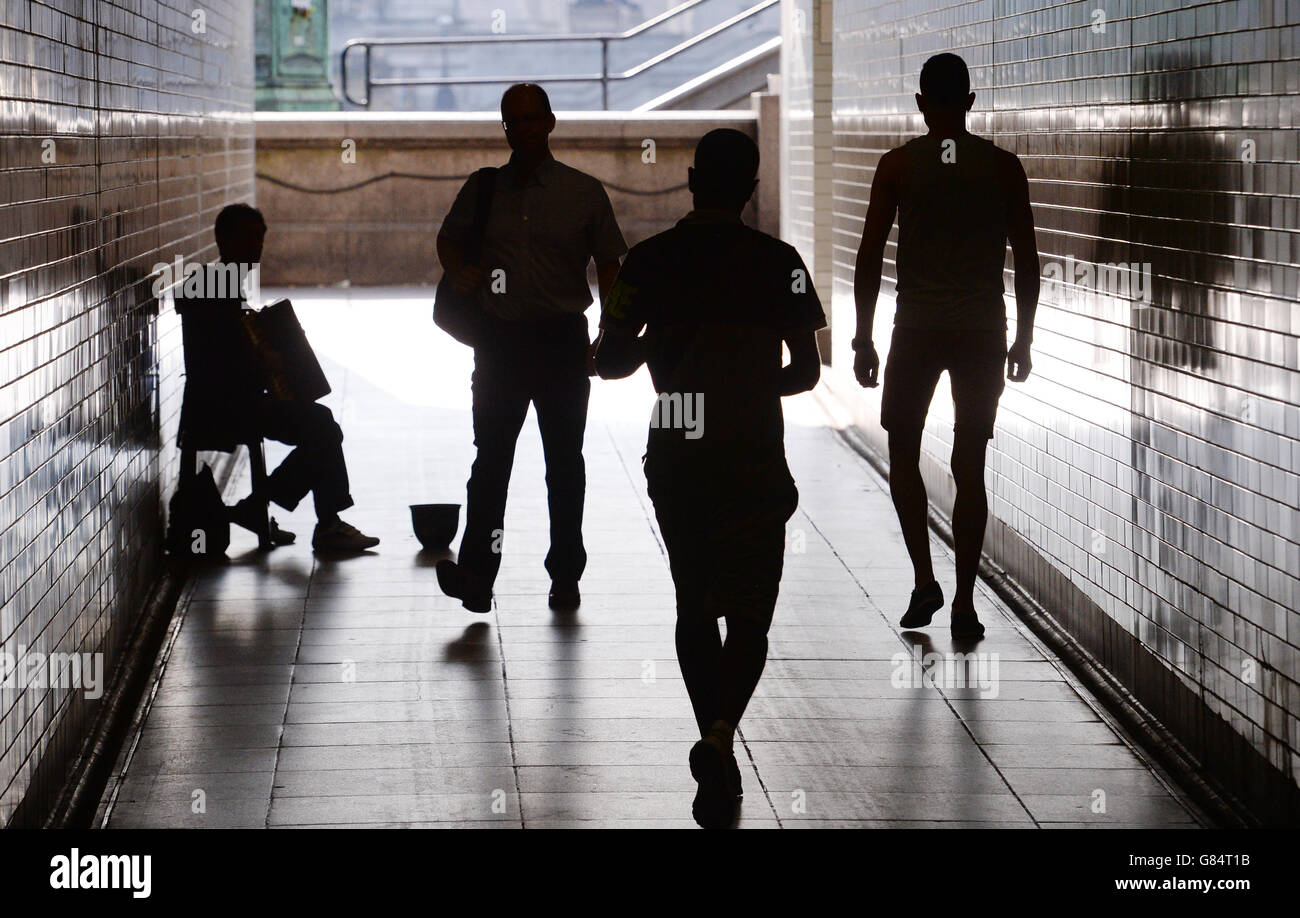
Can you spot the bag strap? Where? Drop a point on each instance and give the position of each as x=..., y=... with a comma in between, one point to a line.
x=487, y=180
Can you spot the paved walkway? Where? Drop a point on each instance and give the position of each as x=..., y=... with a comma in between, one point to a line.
x=298, y=691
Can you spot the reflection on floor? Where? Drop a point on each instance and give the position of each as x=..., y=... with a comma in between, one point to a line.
x=302, y=691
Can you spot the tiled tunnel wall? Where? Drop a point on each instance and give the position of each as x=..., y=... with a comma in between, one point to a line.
x=797, y=164
x=1143, y=481
x=124, y=128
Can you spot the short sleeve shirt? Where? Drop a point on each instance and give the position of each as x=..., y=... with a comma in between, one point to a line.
x=541, y=233
x=716, y=299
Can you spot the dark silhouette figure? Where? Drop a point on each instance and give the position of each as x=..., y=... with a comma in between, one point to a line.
x=226, y=403
x=959, y=200
x=716, y=300
x=544, y=223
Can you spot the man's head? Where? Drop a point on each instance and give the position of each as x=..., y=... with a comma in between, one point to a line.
x=240, y=232
x=527, y=117
x=945, y=88
x=725, y=170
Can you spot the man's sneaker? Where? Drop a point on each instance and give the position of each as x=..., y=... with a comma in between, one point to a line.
x=453, y=581
x=926, y=601
x=251, y=514
x=966, y=624
x=282, y=536
x=716, y=804
x=339, y=536
x=565, y=596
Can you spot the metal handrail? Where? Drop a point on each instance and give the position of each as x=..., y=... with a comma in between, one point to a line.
x=605, y=77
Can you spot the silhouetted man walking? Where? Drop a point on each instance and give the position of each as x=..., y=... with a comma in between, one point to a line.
x=959, y=200
x=545, y=222
x=717, y=299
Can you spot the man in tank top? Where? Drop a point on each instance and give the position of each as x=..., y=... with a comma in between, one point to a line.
x=959, y=201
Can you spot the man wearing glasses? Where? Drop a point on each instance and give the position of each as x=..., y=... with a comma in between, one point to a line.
x=544, y=222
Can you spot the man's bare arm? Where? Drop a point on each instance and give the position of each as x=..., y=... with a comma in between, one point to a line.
x=618, y=353
x=606, y=271
x=805, y=366
x=1024, y=254
x=881, y=209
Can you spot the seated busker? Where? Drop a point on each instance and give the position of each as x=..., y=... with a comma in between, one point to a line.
x=226, y=402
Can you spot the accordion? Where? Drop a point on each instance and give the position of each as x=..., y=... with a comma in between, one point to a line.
x=287, y=364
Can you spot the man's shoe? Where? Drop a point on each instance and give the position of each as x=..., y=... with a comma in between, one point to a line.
x=565, y=596
x=926, y=601
x=966, y=625
x=716, y=804
x=339, y=536
x=250, y=514
x=453, y=581
x=282, y=536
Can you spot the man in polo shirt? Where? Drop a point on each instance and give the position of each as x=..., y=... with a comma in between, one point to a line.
x=717, y=301
x=545, y=222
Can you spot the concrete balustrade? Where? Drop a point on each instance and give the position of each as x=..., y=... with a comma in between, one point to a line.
x=381, y=228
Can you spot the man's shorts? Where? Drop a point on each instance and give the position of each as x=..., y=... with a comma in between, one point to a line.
x=976, y=362
x=725, y=540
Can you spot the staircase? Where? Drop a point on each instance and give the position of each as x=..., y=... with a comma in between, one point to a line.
x=700, y=54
